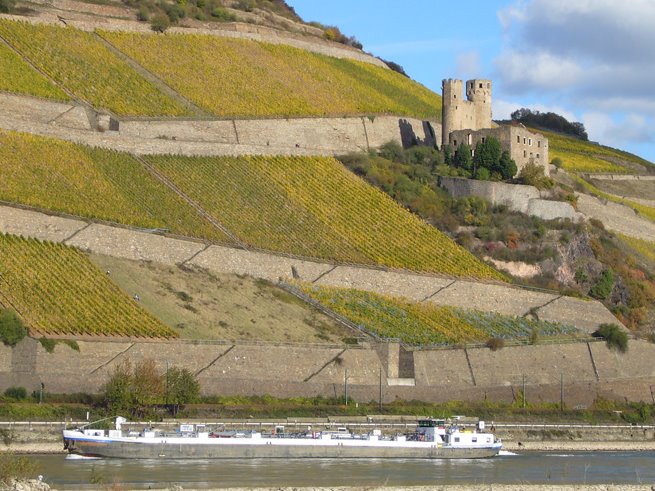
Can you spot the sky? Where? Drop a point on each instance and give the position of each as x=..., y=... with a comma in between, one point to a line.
x=591, y=61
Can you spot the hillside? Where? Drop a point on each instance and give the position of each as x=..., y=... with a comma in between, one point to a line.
x=130, y=74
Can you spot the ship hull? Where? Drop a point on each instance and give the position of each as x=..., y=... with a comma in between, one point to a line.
x=270, y=448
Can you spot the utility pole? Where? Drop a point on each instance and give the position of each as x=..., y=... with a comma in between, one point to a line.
x=561, y=392
x=380, y=406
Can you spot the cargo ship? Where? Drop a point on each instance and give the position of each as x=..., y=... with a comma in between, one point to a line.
x=432, y=439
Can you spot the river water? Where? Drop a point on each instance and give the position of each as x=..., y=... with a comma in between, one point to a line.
x=524, y=468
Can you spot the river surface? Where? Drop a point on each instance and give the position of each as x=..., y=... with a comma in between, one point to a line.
x=524, y=468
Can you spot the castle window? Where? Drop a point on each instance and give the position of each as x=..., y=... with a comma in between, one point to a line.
x=524, y=139
x=470, y=138
x=530, y=154
x=480, y=85
x=518, y=138
x=455, y=143
x=538, y=143
x=454, y=96
x=530, y=141
x=537, y=155
x=525, y=153
x=483, y=139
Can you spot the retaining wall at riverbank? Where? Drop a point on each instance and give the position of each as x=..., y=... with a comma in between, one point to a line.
x=585, y=370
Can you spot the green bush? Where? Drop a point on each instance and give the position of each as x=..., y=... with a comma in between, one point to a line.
x=160, y=22
x=48, y=344
x=222, y=15
x=495, y=344
x=602, y=289
x=533, y=175
x=6, y=6
x=17, y=393
x=11, y=328
x=15, y=467
x=615, y=337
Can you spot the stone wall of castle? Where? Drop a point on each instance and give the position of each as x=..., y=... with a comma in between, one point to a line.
x=472, y=113
x=524, y=145
x=517, y=197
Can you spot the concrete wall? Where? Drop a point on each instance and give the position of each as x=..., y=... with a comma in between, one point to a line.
x=302, y=136
x=308, y=370
x=517, y=197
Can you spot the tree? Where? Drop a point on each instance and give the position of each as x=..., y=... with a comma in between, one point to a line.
x=160, y=22
x=6, y=6
x=181, y=388
x=507, y=166
x=11, y=328
x=487, y=154
x=133, y=388
x=462, y=157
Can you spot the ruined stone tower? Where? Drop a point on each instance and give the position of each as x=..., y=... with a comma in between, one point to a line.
x=474, y=113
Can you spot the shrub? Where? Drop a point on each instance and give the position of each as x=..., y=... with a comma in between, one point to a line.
x=17, y=393
x=222, y=15
x=615, y=337
x=603, y=287
x=557, y=162
x=6, y=6
x=160, y=22
x=11, y=328
x=533, y=175
x=48, y=344
x=15, y=467
x=495, y=344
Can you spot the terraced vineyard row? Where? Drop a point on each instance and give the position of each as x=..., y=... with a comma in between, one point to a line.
x=643, y=247
x=92, y=183
x=59, y=292
x=581, y=156
x=20, y=78
x=313, y=206
x=80, y=62
x=427, y=324
x=236, y=78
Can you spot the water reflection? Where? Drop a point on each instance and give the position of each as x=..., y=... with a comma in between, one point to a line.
x=534, y=468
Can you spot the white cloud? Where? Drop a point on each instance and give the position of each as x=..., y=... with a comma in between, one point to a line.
x=594, y=57
x=633, y=128
x=468, y=65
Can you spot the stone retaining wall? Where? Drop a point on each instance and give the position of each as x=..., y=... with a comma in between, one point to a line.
x=301, y=136
x=142, y=246
x=616, y=217
x=517, y=197
x=310, y=370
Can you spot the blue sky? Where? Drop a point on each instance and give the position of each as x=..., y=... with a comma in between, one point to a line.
x=590, y=60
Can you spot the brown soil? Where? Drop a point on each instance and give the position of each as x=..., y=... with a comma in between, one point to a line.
x=203, y=305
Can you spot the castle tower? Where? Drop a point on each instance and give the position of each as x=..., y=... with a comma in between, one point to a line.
x=472, y=113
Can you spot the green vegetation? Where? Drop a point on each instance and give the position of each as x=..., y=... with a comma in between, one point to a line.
x=425, y=324
x=16, y=393
x=15, y=467
x=241, y=78
x=643, y=247
x=135, y=388
x=604, y=285
x=312, y=206
x=550, y=121
x=80, y=62
x=11, y=327
x=59, y=292
x=93, y=183
x=580, y=156
x=615, y=337
x=533, y=175
x=20, y=78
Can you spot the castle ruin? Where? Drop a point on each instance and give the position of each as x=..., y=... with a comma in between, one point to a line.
x=469, y=121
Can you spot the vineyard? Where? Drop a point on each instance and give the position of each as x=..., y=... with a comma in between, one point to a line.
x=313, y=206
x=92, y=183
x=81, y=63
x=582, y=156
x=235, y=78
x=428, y=324
x=58, y=292
x=20, y=78
x=643, y=247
